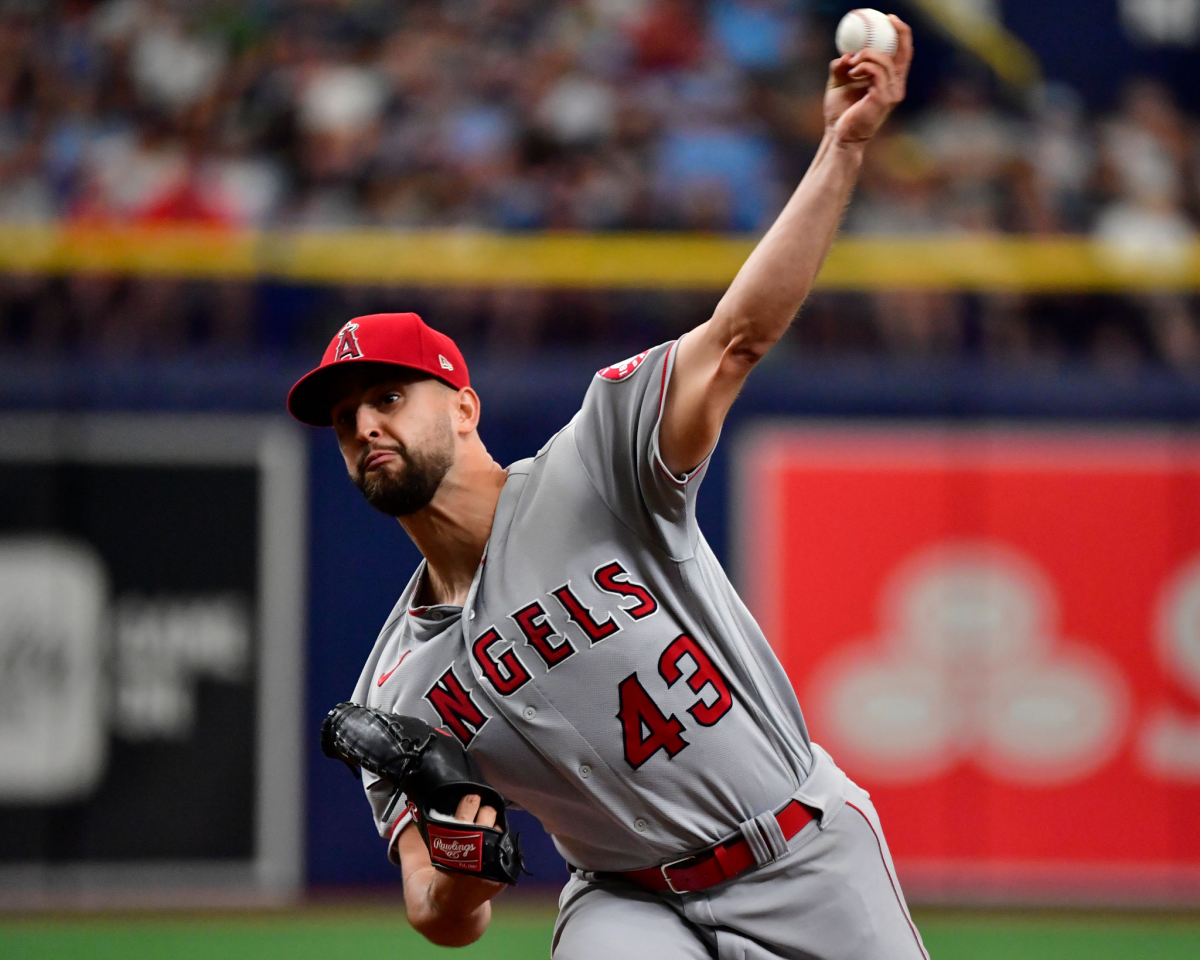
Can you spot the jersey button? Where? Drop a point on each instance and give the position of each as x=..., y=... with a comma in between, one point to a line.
x=639, y=825
x=585, y=771
x=529, y=713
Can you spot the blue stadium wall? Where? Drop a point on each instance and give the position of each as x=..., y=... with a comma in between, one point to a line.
x=359, y=561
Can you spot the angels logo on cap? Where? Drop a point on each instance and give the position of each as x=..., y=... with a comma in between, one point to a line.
x=619, y=371
x=348, y=348
x=388, y=339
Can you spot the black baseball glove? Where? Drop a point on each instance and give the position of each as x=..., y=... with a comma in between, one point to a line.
x=431, y=768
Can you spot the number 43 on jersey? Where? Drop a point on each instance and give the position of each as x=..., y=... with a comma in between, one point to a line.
x=645, y=728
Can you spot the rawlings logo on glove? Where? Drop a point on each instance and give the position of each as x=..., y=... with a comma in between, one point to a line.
x=434, y=773
x=459, y=851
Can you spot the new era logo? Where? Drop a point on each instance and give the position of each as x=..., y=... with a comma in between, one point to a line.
x=446, y=364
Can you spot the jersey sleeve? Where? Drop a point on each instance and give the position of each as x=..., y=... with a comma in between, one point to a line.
x=389, y=823
x=390, y=818
x=617, y=435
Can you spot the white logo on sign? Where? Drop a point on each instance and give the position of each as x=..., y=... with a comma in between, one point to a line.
x=968, y=668
x=446, y=364
x=1170, y=742
x=54, y=617
x=164, y=646
x=53, y=741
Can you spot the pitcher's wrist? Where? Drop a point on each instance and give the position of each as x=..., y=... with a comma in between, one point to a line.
x=848, y=152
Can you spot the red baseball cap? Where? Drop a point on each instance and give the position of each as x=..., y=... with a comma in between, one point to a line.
x=395, y=339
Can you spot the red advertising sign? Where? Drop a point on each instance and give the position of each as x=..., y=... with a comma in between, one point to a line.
x=997, y=633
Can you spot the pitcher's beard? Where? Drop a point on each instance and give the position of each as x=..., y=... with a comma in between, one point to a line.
x=414, y=487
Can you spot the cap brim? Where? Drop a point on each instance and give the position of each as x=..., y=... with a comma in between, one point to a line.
x=312, y=397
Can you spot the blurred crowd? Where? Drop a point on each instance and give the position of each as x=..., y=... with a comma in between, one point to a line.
x=509, y=114
x=534, y=114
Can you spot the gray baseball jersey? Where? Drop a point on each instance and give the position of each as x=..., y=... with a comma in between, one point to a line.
x=608, y=679
x=603, y=671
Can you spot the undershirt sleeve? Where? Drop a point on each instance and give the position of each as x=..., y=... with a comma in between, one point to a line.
x=379, y=794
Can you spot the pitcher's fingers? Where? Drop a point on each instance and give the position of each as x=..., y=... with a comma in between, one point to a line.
x=873, y=74
x=487, y=817
x=468, y=806
x=904, y=49
x=884, y=60
x=839, y=71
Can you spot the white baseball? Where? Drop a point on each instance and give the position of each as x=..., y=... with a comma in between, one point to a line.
x=866, y=28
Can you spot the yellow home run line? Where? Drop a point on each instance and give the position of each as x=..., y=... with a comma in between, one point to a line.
x=617, y=261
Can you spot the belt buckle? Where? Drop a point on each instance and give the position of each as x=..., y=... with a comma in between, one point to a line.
x=671, y=864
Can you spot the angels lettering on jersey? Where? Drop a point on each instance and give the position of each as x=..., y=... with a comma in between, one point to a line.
x=645, y=727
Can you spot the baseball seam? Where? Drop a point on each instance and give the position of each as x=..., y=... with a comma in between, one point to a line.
x=870, y=37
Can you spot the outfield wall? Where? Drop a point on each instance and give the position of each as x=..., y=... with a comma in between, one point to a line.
x=358, y=562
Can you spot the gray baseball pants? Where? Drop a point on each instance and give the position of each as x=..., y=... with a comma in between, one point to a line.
x=832, y=896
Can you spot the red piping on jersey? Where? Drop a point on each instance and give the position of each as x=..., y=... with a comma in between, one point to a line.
x=903, y=909
x=383, y=679
x=662, y=390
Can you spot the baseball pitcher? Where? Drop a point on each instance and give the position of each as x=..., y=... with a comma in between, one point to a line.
x=571, y=645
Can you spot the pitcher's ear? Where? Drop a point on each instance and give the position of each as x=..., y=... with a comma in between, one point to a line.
x=468, y=410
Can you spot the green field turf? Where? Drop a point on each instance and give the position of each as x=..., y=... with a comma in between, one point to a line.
x=524, y=932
